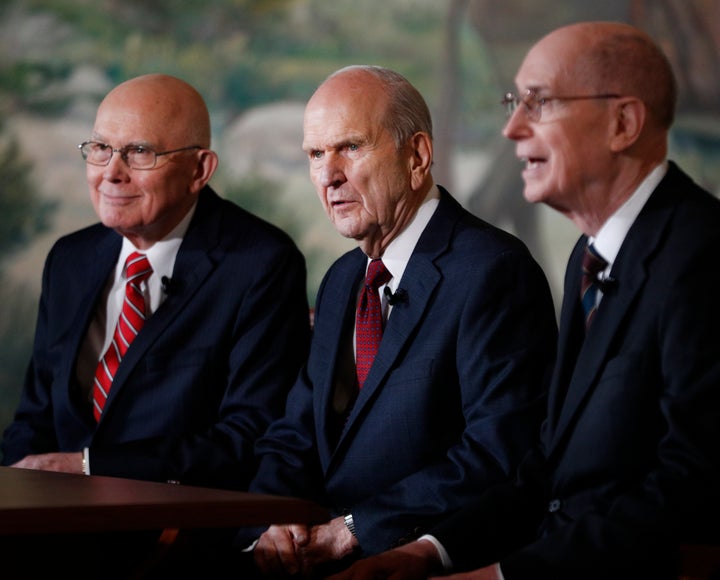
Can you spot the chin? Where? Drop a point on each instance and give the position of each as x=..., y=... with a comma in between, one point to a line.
x=533, y=195
x=347, y=228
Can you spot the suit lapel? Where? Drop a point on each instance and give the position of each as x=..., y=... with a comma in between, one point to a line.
x=630, y=270
x=333, y=329
x=97, y=268
x=570, y=335
x=195, y=261
x=419, y=281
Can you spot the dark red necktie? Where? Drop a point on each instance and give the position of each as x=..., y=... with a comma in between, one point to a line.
x=132, y=318
x=369, y=320
x=593, y=263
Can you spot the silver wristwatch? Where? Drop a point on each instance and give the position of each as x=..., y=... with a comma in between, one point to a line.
x=350, y=524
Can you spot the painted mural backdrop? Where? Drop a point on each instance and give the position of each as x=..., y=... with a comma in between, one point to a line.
x=256, y=62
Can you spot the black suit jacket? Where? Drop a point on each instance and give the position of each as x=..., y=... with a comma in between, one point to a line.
x=205, y=376
x=630, y=455
x=453, y=400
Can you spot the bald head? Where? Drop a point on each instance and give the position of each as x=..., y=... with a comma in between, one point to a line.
x=165, y=102
x=612, y=57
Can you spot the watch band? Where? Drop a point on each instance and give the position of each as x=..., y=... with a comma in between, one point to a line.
x=350, y=524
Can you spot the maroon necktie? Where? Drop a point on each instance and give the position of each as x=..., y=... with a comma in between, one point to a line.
x=369, y=320
x=592, y=264
x=132, y=318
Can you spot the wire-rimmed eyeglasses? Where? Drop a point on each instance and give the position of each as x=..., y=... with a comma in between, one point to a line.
x=134, y=156
x=534, y=102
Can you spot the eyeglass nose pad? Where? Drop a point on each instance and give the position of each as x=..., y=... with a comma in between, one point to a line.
x=113, y=157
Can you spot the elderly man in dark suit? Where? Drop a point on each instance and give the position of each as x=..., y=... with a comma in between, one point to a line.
x=454, y=395
x=224, y=312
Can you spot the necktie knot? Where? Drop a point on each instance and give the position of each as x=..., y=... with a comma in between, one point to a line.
x=592, y=265
x=137, y=268
x=377, y=275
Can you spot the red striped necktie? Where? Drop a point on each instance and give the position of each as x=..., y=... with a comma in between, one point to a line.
x=132, y=318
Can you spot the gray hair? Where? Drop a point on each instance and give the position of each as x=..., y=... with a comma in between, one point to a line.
x=407, y=112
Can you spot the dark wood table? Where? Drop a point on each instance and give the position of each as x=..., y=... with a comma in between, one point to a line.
x=43, y=502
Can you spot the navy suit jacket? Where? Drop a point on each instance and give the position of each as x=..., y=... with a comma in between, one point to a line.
x=630, y=455
x=453, y=400
x=208, y=372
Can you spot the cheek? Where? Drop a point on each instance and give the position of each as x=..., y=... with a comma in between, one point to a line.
x=94, y=180
x=327, y=208
x=394, y=193
x=157, y=190
x=93, y=176
x=321, y=194
x=567, y=159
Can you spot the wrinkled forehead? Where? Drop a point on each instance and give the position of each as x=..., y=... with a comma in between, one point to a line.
x=340, y=112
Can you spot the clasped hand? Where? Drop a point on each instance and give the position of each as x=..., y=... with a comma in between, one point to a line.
x=287, y=550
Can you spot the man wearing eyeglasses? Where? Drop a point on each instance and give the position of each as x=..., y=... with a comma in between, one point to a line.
x=207, y=345
x=628, y=466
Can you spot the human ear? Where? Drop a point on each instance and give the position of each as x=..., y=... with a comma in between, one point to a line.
x=421, y=149
x=629, y=116
x=207, y=162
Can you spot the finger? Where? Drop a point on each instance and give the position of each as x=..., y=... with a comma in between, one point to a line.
x=275, y=553
x=299, y=533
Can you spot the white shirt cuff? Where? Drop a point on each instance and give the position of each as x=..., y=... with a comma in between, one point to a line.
x=86, y=461
x=444, y=557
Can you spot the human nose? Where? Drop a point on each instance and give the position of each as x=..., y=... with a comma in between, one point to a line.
x=115, y=167
x=516, y=125
x=330, y=173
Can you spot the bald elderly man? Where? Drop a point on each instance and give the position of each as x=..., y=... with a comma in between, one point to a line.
x=201, y=363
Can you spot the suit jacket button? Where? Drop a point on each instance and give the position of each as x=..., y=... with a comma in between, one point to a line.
x=554, y=505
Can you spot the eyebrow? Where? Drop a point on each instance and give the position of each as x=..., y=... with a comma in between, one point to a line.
x=137, y=143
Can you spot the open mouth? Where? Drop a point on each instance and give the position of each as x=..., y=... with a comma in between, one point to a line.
x=531, y=162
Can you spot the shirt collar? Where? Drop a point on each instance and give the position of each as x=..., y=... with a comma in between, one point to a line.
x=397, y=254
x=612, y=234
x=162, y=254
